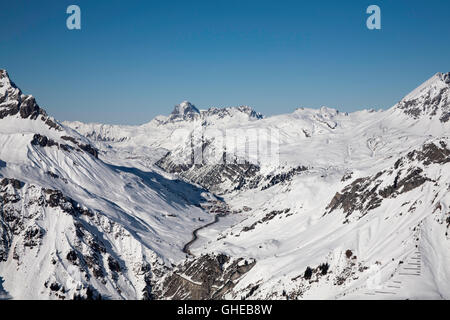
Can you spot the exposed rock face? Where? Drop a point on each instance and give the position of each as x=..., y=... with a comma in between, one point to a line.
x=3, y=294
x=431, y=99
x=228, y=112
x=205, y=277
x=282, y=177
x=430, y=154
x=85, y=147
x=14, y=102
x=86, y=244
x=366, y=194
x=43, y=141
x=184, y=111
x=266, y=218
x=219, y=178
x=227, y=176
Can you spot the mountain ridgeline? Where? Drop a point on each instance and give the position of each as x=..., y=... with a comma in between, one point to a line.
x=353, y=206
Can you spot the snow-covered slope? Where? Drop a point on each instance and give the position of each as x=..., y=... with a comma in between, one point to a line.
x=338, y=206
x=359, y=209
x=431, y=99
x=72, y=220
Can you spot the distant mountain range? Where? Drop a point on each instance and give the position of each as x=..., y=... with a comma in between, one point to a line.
x=227, y=204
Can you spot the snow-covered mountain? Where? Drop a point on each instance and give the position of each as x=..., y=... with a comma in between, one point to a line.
x=312, y=204
x=72, y=225
x=430, y=99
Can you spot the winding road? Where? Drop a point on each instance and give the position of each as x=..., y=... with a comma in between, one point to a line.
x=195, y=236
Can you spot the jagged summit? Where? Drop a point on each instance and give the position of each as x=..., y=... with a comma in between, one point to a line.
x=430, y=99
x=7, y=88
x=187, y=111
x=445, y=77
x=184, y=108
x=245, y=111
x=13, y=101
x=16, y=111
x=436, y=82
x=4, y=75
x=184, y=111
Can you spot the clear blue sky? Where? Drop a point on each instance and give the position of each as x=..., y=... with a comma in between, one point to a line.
x=133, y=60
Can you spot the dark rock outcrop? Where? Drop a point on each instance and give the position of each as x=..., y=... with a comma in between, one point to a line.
x=214, y=177
x=206, y=277
x=186, y=111
x=266, y=218
x=430, y=103
x=85, y=147
x=282, y=177
x=365, y=194
x=14, y=102
x=90, y=250
x=43, y=141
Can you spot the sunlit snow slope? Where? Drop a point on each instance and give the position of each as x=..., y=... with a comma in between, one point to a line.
x=72, y=225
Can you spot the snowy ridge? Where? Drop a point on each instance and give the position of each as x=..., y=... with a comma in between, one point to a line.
x=431, y=99
x=435, y=83
x=184, y=116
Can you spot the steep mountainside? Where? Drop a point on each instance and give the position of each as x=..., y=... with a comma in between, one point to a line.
x=72, y=225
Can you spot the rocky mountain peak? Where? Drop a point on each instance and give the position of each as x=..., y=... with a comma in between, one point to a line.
x=232, y=111
x=445, y=77
x=7, y=87
x=187, y=111
x=3, y=74
x=249, y=110
x=431, y=99
x=13, y=101
x=184, y=111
